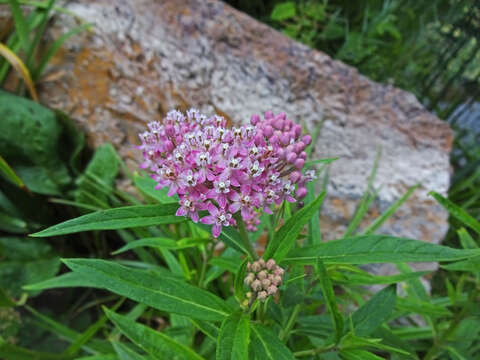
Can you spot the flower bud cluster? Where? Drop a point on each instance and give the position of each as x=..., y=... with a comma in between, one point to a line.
x=263, y=278
x=226, y=170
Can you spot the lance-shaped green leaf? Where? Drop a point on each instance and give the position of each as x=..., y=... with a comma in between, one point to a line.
x=267, y=346
x=358, y=354
x=457, y=212
x=329, y=295
x=63, y=281
x=155, y=343
x=234, y=338
x=118, y=218
x=126, y=353
x=374, y=312
x=159, y=292
x=472, y=264
x=229, y=236
x=286, y=236
x=376, y=249
x=364, y=278
x=146, y=185
x=162, y=243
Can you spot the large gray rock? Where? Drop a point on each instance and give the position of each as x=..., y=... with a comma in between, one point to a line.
x=145, y=57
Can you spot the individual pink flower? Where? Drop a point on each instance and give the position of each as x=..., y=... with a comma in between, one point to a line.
x=217, y=218
x=188, y=207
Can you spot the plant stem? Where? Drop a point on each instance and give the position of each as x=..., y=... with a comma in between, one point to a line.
x=291, y=323
x=244, y=236
x=314, y=351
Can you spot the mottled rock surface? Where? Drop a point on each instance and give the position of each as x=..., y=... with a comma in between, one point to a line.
x=144, y=57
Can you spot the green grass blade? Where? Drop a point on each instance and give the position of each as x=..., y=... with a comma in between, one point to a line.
x=366, y=200
x=54, y=48
x=389, y=212
x=21, y=25
x=39, y=32
x=457, y=212
x=8, y=172
x=286, y=236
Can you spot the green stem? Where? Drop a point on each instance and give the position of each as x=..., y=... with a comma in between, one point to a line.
x=291, y=323
x=206, y=254
x=243, y=234
x=314, y=351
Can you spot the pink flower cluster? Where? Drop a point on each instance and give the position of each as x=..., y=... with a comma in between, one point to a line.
x=225, y=170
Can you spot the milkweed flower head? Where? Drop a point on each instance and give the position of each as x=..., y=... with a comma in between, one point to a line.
x=227, y=170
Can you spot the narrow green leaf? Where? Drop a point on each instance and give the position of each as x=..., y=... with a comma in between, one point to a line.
x=358, y=354
x=376, y=249
x=267, y=346
x=234, y=338
x=151, y=289
x=369, y=279
x=424, y=308
x=39, y=31
x=63, y=281
x=329, y=295
x=54, y=48
x=374, y=312
x=286, y=236
x=118, y=218
x=8, y=172
x=155, y=343
x=466, y=240
x=163, y=243
x=207, y=328
x=389, y=212
x=472, y=265
x=367, y=199
x=89, y=333
x=320, y=161
x=354, y=342
x=229, y=236
x=457, y=212
x=146, y=185
x=21, y=25
x=125, y=353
